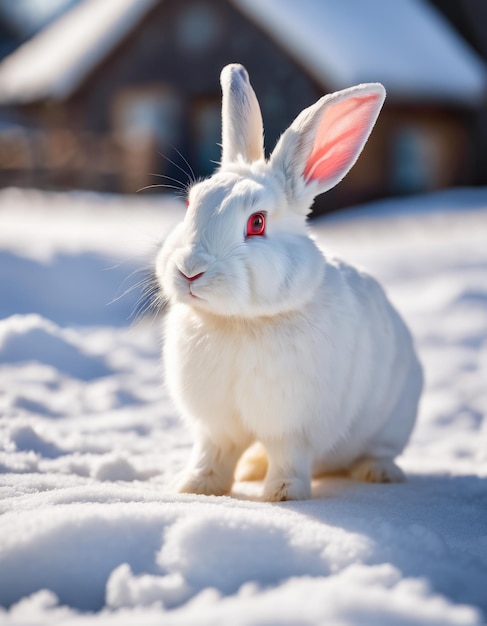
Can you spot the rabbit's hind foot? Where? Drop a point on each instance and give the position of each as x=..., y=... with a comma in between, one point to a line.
x=376, y=470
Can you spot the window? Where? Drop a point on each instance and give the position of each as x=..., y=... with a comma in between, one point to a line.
x=199, y=28
x=415, y=159
x=147, y=123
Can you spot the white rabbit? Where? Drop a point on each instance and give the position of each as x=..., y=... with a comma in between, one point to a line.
x=267, y=339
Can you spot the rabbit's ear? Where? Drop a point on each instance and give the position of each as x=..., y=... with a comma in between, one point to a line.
x=242, y=131
x=325, y=140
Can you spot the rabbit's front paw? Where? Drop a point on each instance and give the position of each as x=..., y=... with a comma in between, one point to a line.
x=287, y=489
x=208, y=484
x=372, y=470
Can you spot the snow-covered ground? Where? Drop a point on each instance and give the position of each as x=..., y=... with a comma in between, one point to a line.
x=89, y=530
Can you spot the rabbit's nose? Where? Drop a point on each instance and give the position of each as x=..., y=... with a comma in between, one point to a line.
x=191, y=278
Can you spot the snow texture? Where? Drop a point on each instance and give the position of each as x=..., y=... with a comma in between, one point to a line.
x=90, y=532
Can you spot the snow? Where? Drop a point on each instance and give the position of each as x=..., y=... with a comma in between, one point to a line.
x=406, y=45
x=90, y=531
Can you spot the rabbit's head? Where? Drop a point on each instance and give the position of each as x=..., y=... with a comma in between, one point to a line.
x=243, y=249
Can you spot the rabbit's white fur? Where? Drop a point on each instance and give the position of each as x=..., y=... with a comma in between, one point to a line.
x=274, y=341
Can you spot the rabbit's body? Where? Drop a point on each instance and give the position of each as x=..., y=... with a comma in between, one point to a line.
x=268, y=340
x=294, y=381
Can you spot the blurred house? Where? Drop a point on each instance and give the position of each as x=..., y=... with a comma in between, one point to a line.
x=102, y=97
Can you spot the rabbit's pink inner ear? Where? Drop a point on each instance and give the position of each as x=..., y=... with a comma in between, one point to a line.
x=342, y=133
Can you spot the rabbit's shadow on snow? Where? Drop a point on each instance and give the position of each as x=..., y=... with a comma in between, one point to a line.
x=412, y=526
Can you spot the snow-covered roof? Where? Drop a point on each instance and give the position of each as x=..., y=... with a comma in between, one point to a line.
x=405, y=44
x=53, y=63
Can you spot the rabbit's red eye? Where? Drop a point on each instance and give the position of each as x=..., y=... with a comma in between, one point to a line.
x=256, y=225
